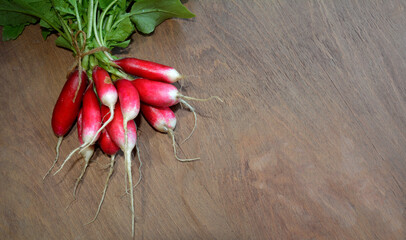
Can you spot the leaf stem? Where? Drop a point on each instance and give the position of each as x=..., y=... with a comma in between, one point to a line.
x=102, y=18
x=89, y=19
x=95, y=25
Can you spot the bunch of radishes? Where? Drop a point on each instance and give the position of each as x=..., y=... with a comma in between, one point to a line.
x=105, y=111
x=104, y=105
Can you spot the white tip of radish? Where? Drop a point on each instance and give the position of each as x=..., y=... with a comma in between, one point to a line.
x=109, y=99
x=173, y=75
x=160, y=125
x=172, y=123
x=173, y=94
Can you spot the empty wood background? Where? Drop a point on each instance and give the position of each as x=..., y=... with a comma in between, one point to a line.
x=310, y=142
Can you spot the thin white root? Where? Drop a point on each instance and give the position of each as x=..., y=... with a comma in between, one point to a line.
x=80, y=177
x=105, y=188
x=69, y=156
x=101, y=128
x=70, y=204
x=139, y=168
x=194, y=115
x=127, y=156
x=58, y=145
x=201, y=99
x=172, y=135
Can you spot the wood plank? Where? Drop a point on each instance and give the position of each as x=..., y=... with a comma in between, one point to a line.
x=310, y=142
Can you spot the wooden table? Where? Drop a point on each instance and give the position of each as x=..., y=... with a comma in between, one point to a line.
x=310, y=142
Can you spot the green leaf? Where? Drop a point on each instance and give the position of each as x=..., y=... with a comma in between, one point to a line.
x=104, y=3
x=147, y=14
x=120, y=33
x=121, y=44
x=12, y=32
x=63, y=7
x=18, y=12
x=45, y=33
x=62, y=42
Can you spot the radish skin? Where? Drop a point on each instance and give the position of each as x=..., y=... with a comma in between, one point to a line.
x=116, y=131
x=66, y=109
x=149, y=70
x=107, y=93
x=91, y=120
x=160, y=94
x=129, y=102
x=87, y=153
x=163, y=119
x=106, y=144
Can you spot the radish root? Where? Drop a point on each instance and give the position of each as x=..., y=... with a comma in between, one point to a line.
x=194, y=115
x=105, y=188
x=172, y=135
x=58, y=145
x=80, y=177
x=69, y=157
x=139, y=172
x=200, y=99
x=127, y=156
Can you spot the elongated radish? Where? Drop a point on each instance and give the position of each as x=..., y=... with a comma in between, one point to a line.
x=129, y=102
x=87, y=153
x=161, y=94
x=90, y=121
x=106, y=144
x=149, y=70
x=109, y=147
x=163, y=119
x=107, y=93
x=116, y=131
x=66, y=109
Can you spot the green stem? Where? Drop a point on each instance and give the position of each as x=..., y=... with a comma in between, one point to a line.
x=109, y=23
x=102, y=18
x=95, y=25
x=79, y=22
x=78, y=17
x=89, y=19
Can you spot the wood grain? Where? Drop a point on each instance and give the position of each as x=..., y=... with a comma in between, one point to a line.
x=309, y=144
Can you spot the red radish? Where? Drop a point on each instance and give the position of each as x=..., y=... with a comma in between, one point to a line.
x=163, y=119
x=106, y=144
x=129, y=102
x=91, y=120
x=150, y=70
x=87, y=153
x=161, y=94
x=66, y=108
x=107, y=93
x=110, y=148
x=116, y=131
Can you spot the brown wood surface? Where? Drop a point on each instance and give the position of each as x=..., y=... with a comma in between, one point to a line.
x=310, y=142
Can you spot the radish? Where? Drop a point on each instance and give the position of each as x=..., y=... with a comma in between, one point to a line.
x=163, y=119
x=107, y=93
x=110, y=148
x=161, y=94
x=149, y=70
x=91, y=120
x=87, y=153
x=129, y=102
x=66, y=109
x=106, y=144
x=117, y=133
